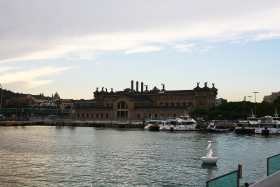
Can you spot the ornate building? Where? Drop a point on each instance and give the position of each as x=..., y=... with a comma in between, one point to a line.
x=135, y=103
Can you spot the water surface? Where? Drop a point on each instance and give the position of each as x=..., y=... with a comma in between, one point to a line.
x=85, y=156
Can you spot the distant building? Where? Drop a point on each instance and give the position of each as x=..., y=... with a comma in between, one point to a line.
x=135, y=102
x=272, y=97
x=64, y=103
x=83, y=104
x=55, y=96
x=29, y=101
x=220, y=101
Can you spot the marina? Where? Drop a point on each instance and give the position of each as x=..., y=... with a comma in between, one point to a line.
x=85, y=156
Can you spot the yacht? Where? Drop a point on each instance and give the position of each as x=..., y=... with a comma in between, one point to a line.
x=247, y=126
x=153, y=125
x=186, y=123
x=268, y=125
x=219, y=126
x=169, y=125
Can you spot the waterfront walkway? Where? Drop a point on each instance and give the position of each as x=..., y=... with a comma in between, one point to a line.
x=270, y=181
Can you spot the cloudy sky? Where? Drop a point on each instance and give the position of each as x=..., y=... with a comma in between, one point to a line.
x=72, y=47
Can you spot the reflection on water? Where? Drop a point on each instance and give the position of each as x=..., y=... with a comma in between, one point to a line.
x=84, y=156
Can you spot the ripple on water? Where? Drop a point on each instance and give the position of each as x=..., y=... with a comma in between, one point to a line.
x=49, y=156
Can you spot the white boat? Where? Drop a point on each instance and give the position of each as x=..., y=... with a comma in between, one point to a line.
x=169, y=125
x=268, y=125
x=209, y=159
x=247, y=126
x=219, y=126
x=153, y=125
x=186, y=123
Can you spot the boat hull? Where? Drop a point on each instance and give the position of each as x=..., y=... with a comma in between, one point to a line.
x=244, y=130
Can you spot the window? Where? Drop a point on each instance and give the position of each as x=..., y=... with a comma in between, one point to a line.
x=122, y=105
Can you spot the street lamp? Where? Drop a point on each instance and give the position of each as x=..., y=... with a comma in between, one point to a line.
x=255, y=102
x=249, y=98
x=1, y=95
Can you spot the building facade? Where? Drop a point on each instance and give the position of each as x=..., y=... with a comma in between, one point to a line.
x=137, y=102
x=272, y=97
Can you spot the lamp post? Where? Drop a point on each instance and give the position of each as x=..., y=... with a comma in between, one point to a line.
x=1, y=95
x=255, y=102
x=249, y=98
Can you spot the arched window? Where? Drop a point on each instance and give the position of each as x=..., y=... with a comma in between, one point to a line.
x=122, y=105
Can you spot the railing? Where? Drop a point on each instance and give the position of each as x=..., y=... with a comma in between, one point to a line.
x=230, y=179
x=273, y=164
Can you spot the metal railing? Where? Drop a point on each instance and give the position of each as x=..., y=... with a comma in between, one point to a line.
x=273, y=164
x=230, y=179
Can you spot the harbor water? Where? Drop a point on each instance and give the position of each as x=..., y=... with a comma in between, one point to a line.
x=87, y=156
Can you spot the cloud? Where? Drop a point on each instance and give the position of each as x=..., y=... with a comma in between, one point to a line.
x=28, y=78
x=206, y=48
x=184, y=47
x=3, y=69
x=98, y=26
x=143, y=49
x=267, y=36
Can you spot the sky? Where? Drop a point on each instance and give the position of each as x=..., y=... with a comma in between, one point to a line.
x=72, y=47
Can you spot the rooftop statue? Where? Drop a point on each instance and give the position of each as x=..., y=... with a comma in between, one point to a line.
x=163, y=87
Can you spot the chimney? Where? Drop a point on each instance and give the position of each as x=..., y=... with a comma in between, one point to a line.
x=142, y=84
x=137, y=86
x=132, y=85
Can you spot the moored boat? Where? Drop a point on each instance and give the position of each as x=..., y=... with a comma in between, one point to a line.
x=268, y=126
x=247, y=126
x=186, y=123
x=153, y=125
x=220, y=126
x=169, y=125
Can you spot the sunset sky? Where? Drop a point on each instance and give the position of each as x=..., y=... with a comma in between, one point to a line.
x=72, y=47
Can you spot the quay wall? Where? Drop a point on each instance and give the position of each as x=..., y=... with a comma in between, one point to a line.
x=113, y=124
